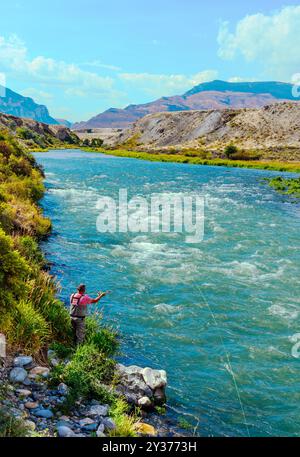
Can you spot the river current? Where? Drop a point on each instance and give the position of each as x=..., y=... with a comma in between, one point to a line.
x=221, y=316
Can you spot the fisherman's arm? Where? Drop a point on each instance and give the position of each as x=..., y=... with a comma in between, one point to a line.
x=99, y=296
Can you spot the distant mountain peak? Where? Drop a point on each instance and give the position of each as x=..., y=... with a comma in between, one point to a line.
x=277, y=89
x=215, y=94
x=17, y=105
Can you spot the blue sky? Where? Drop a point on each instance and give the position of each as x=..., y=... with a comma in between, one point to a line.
x=82, y=57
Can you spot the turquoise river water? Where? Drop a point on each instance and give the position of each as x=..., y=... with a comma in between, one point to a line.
x=221, y=316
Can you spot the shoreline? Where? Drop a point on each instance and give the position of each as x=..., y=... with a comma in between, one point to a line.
x=289, y=167
x=178, y=158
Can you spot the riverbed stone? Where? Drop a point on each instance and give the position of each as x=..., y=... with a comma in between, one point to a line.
x=100, y=430
x=145, y=429
x=144, y=402
x=108, y=424
x=23, y=393
x=22, y=360
x=64, y=431
x=62, y=389
x=130, y=370
x=97, y=411
x=31, y=405
x=39, y=371
x=86, y=421
x=154, y=378
x=63, y=423
x=91, y=427
x=45, y=413
x=17, y=374
x=159, y=396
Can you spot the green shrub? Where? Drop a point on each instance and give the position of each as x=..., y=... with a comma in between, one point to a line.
x=103, y=337
x=87, y=366
x=230, y=149
x=62, y=351
x=88, y=374
x=13, y=270
x=287, y=186
x=20, y=166
x=25, y=133
x=29, y=248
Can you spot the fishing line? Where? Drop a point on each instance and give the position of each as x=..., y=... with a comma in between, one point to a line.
x=228, y=362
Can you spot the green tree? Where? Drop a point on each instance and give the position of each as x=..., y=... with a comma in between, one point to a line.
x=230, y=150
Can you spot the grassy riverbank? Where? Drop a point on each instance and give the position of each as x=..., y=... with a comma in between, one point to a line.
x=180, y=158
x=32, y=318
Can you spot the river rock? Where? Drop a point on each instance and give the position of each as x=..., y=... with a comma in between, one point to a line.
x=97, y=411
x=30, y=425
x=63, y=423
x=108, y=424
x=132, y=384
x=90, y=427
x=64, y=431
x=62, y=389
x=144, y=402
x=45, y=413
x=132, y=369
x=22, y=360
x=52, y=357
x=31, y=405
x=154, y=378
x=145, y=429
x=100, y=430
x=86, y=421
x=17, y=374
x=39, y=371
x=26, y=382
x=159, y=396
x=23, y=393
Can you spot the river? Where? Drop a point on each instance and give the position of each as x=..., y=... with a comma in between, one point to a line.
x=221, y=315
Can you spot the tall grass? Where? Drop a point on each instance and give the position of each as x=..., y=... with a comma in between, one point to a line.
x=123, y=419
x=30, y=331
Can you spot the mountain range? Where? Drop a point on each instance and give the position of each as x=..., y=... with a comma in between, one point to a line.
x=20, y=106
x=205, y=96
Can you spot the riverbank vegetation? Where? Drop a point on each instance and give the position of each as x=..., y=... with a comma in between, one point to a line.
x=192, y=158
x=286, y=186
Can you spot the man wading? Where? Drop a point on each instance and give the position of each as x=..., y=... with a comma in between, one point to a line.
x=78, y=311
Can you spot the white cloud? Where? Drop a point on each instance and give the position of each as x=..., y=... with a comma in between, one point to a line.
x=36, y=93
x=99, y=64
x=14, y=58
x=270, y=40
x=161, y=84
x=238, y=79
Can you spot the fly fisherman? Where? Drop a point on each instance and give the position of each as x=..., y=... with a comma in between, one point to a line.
x=78, y=311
